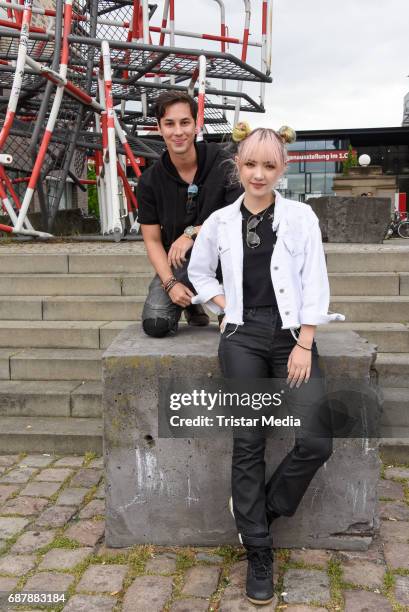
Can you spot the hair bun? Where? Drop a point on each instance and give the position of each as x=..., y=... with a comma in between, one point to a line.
x=240, y=131
x=287, y=134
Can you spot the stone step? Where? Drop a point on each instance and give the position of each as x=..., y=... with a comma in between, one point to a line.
x=388, y=337
x=74, y=284
x=50, y=334
x=360, y=283
x=395, y=407
x=74, y=263
x=129, y=308
x=72, y=308
x=55, y=364
x=381, y=309
x=395, y=449
x=367, y=258
x=61, y=435
x=393, y=370
x=55, y=398
x=30, y=285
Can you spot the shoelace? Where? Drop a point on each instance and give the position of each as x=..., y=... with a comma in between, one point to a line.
x=261, y=561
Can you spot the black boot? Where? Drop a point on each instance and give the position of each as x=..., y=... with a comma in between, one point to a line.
x=196, y=316
x=259, y=585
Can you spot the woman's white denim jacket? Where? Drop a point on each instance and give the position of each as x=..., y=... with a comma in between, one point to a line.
x=298, y=268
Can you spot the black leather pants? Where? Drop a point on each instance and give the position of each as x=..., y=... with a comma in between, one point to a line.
x=260, y=349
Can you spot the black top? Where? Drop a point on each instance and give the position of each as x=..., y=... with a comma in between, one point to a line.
x=257, y=284
x=162, y=193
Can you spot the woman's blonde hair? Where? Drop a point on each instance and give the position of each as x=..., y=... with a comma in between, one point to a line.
x=272, y=142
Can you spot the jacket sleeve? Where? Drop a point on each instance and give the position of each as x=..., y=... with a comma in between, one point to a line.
x=203, y=264
x=314, y=278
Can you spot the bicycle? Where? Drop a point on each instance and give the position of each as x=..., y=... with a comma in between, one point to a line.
x=398, y=226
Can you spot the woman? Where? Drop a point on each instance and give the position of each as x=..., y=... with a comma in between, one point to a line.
x=274, y=282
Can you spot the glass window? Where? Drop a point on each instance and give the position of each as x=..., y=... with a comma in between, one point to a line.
x=298, y=145
x=315, y=167
x=316, y=145
x=317, y=183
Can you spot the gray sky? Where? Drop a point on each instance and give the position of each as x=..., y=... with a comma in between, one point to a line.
x=335, y=63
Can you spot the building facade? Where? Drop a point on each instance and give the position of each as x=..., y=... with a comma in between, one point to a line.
x=315, y=159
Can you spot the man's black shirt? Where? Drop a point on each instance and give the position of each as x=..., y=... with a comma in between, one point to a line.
x=162, y=193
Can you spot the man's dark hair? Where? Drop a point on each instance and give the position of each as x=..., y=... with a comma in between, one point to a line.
x=167, y=98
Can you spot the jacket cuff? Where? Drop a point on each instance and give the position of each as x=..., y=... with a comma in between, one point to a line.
x=309, y=317
x=205, y=297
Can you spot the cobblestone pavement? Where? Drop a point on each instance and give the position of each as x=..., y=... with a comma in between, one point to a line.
x=51, y=540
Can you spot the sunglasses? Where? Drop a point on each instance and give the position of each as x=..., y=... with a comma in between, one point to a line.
x=192, y=192
x=252, y=238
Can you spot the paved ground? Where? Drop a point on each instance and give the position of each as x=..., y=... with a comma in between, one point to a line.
x=51, y=539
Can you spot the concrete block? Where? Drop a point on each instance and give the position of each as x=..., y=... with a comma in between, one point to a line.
x=350, y=219
x=62, y=284
x=50, y=334
x=35, y=398
x=21, y=308
x=88, y=308
x=370, y=283
x=27, y=263
x=103, y=264
x=163, y=491
x=109, y=331
x=56, y=364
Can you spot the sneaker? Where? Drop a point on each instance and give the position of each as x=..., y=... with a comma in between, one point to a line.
x=196, y=316
x=232, y=513
x=259, y=584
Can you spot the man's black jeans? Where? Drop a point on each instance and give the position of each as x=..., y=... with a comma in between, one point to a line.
x=260, y=349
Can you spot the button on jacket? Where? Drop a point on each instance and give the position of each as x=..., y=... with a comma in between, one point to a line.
x=298, y=269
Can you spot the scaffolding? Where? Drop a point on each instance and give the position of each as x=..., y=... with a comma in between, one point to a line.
x=78, y=81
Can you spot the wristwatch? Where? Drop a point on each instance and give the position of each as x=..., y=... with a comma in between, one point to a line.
x=190, y=231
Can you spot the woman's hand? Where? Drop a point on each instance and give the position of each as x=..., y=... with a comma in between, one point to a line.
x=298, y=366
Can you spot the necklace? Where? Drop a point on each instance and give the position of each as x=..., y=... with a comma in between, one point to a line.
x=253, y=240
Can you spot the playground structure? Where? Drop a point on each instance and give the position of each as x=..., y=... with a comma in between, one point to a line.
x=78, y=80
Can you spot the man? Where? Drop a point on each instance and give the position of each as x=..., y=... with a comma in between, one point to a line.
x=175, y=196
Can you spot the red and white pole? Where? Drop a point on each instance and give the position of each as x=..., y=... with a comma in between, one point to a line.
x=201, y=98
x=246, y=32
x=18, y=73
x=116, y=224
x=51, y=120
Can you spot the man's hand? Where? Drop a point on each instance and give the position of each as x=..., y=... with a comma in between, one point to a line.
x=298, y=366
x=181, y=295
x=178, y=250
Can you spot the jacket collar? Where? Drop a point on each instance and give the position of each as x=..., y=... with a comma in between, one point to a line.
x=233, y=211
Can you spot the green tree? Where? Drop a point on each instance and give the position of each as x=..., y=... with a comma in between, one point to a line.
x=93, y=207
x=350, y=162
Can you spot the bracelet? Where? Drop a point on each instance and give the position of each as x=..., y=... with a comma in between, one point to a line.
x=164, y=284
x=304, y=347
x=171, y=282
